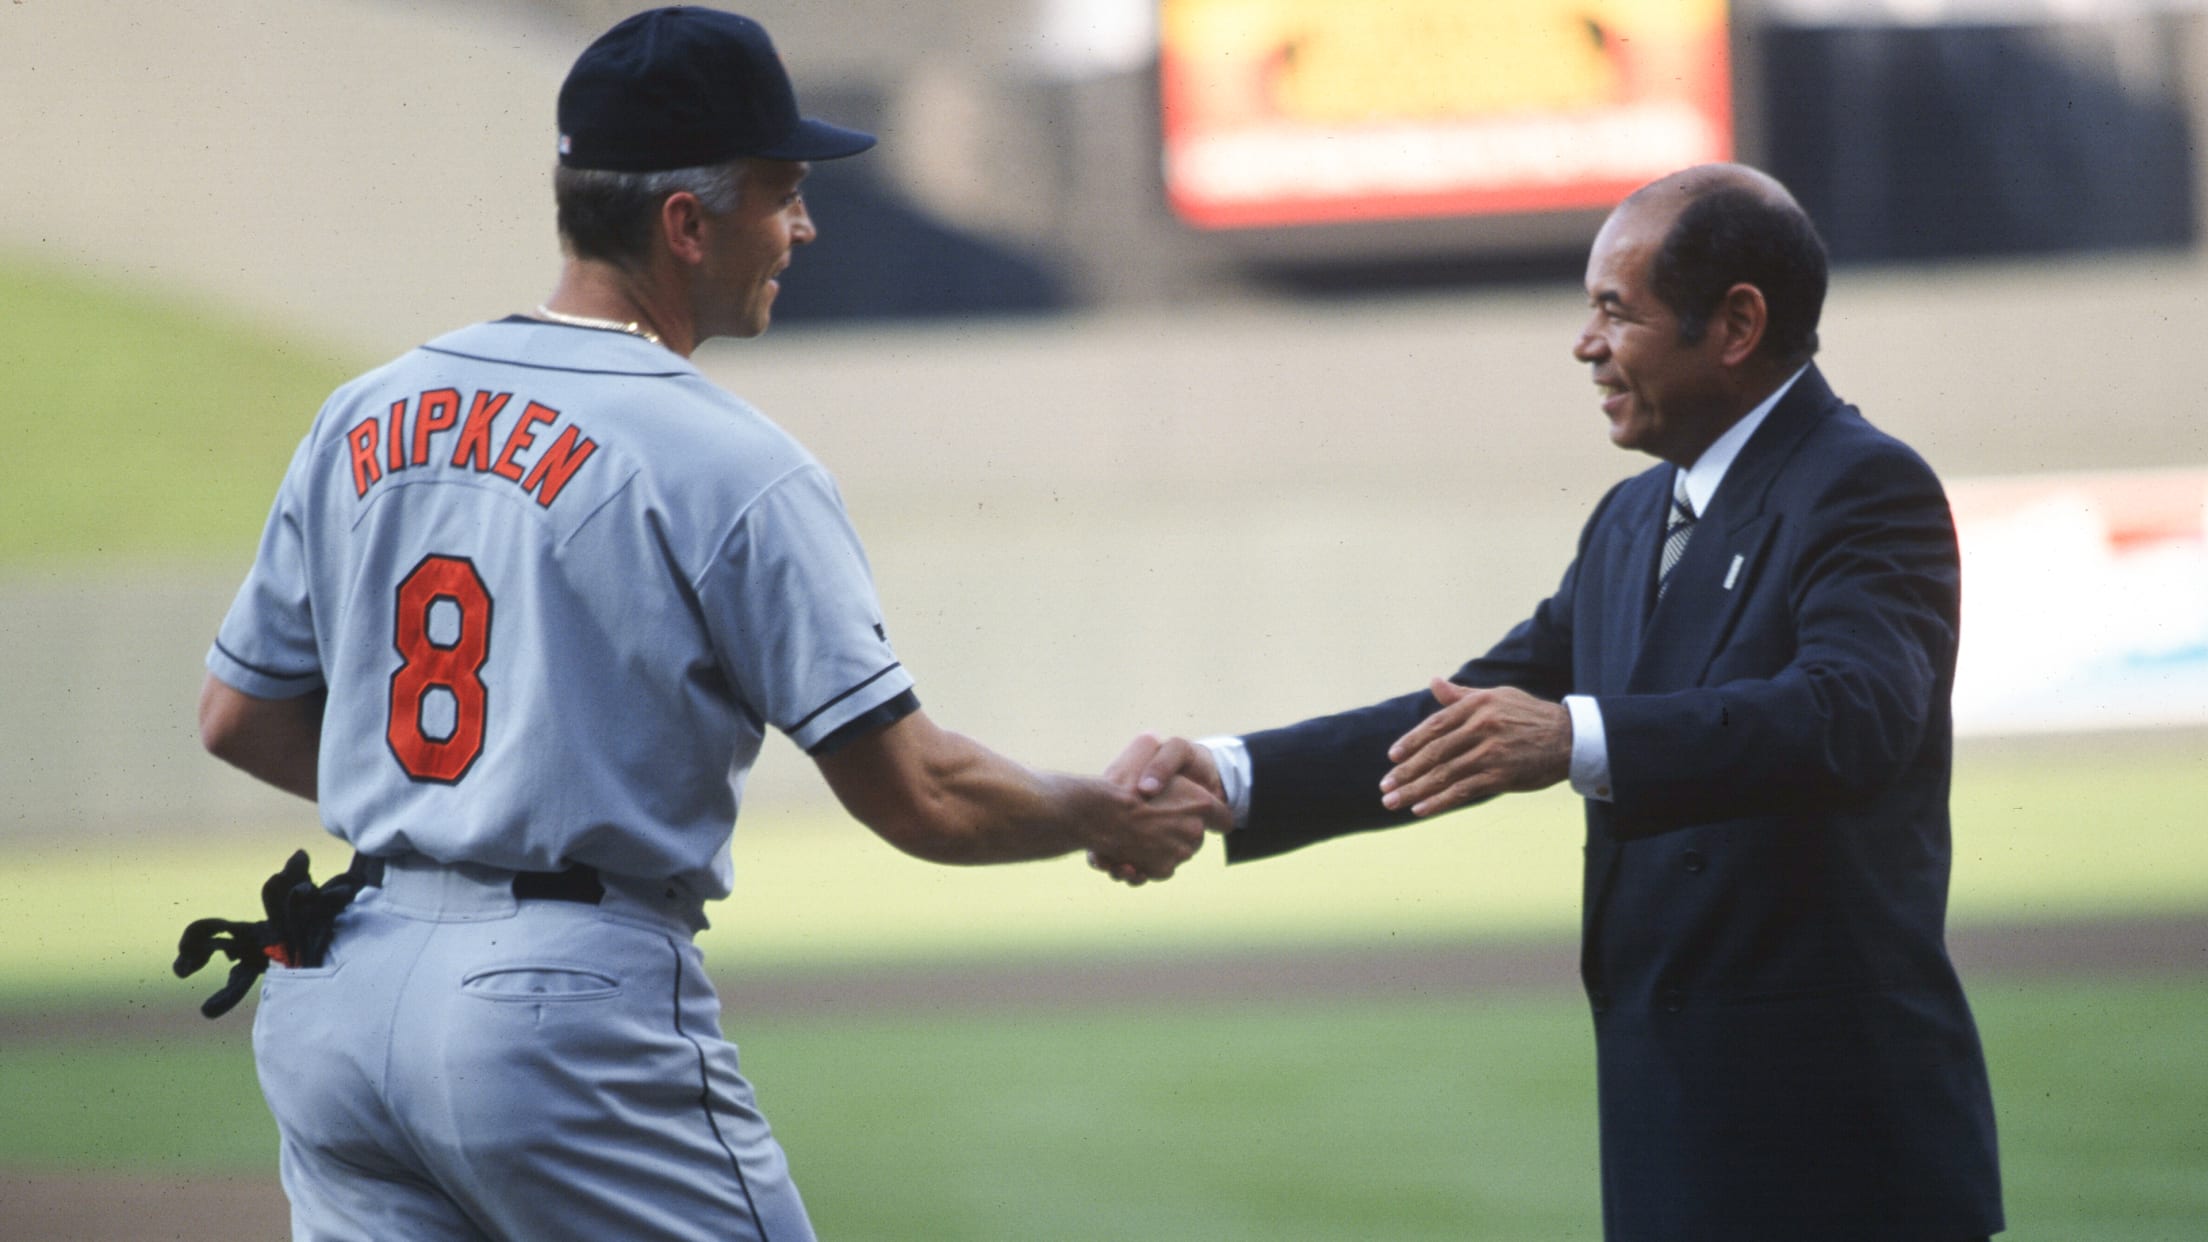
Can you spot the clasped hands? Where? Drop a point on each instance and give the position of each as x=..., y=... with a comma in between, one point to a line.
x=1479, y=743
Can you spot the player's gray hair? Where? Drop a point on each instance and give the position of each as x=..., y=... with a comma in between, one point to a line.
x=608, y=215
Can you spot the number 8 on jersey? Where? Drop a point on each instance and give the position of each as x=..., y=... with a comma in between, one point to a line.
x=427, y=664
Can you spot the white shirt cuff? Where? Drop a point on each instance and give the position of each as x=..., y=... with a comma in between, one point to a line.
x=1590, y=749
x=1232, y=758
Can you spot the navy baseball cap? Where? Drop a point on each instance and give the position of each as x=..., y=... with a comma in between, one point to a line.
x=686, y=87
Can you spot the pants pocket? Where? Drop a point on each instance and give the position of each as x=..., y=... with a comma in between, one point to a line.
x=539, y=983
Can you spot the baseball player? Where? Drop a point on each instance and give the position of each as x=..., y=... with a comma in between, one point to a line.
x=528, y=600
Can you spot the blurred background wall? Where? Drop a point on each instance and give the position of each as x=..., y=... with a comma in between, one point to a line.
x=1116, y=469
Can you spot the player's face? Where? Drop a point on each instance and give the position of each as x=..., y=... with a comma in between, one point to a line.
x=750, y=247
x=1660, y=394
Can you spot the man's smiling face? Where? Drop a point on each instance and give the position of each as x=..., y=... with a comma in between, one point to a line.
x=1663, y=395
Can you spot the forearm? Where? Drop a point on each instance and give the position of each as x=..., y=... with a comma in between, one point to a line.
x=972, y=806
x=1321, y=778
x=946, y=798
x=278, y=741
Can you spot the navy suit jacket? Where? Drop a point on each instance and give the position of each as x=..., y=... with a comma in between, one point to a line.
x=1783, y=1048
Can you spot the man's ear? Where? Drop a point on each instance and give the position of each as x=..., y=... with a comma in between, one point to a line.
x=682, y=227
x=1740, y=322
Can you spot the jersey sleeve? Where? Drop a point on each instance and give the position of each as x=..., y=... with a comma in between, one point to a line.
x=266, y=646
x=791, y=605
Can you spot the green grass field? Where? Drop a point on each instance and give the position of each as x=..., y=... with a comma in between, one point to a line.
x=141, y=427
x=2040, y=836
x=1460, y=1117
x=1443, y=1116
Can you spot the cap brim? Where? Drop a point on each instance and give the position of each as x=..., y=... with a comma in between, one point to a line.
x=818, y=140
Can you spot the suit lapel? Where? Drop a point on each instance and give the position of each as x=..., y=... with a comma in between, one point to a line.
x=1713, y=580
x=1708, y=588
x=1632, y=578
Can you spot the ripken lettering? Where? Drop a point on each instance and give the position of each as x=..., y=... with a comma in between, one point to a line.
x=381, y=444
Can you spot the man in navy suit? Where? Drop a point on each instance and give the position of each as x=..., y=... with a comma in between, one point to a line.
x=1745, y=671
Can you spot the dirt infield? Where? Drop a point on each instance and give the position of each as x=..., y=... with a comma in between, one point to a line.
x=120, y=1207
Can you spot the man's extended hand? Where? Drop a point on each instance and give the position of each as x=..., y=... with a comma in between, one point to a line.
x=1155, y=770
x=1481, y=743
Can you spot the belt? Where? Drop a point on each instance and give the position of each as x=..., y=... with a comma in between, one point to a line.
x=580, y=883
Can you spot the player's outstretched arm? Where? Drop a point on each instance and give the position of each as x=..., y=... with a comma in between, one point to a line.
x=944, y=797
x=275, y=740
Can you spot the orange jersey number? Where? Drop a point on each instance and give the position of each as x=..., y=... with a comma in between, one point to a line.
x=440, y=649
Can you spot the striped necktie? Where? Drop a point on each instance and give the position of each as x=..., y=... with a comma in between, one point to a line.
x=1677, y=531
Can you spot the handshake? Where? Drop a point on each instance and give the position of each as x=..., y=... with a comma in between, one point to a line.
x=1477, y=743
x=1176, y=794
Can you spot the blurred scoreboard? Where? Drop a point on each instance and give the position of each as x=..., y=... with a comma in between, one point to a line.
x=1287, y=114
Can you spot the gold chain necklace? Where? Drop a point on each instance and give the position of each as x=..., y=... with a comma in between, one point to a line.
x=632, y=327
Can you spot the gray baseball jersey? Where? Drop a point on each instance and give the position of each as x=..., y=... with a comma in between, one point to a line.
x=556, y=585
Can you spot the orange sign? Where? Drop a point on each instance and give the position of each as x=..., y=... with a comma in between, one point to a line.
x=1310, y=111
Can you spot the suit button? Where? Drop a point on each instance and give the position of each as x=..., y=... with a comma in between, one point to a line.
x=1672, y=999
x=1693, y=861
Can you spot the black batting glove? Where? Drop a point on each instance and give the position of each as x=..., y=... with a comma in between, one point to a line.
x=301, y=921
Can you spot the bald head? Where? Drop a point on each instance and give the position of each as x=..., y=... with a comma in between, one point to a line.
x=1680, y=188
x=1729, y=224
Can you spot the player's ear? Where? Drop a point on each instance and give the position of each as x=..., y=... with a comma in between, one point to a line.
x=682, y=223
x=1740, y=322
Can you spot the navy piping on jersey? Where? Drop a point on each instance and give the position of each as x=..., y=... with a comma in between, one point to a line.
x=539, y=366
x=880, y=716
x=705, y=1099
x=309, y=675
x=814, y=714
